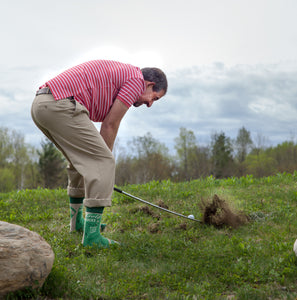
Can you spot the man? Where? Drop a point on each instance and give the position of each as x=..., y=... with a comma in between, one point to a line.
x=64, y=109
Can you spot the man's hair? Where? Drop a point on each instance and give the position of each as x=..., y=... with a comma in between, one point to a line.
x=157, y=76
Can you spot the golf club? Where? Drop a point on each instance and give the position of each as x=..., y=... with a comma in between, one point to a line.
x=154, y=205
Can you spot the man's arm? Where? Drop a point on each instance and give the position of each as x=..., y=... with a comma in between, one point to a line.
x=111, y=123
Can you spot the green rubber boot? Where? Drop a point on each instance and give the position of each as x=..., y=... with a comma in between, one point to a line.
x=92, y=236
x=76, y=214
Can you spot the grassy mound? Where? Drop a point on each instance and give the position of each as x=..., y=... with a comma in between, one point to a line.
x=163, y=256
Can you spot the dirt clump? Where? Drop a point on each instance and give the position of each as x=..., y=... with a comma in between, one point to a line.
x=182, y=226
x=162, y=204
x=219, y=213
x=154, y=228
x=146, y=210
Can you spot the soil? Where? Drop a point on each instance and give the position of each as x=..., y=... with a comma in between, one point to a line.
x=216, y=212
x=162, y=204
x=146, y=210
x=219, y=213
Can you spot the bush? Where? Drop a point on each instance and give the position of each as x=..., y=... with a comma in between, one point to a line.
x=7, y=180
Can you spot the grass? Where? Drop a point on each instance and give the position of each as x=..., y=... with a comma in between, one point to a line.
x=167, y=257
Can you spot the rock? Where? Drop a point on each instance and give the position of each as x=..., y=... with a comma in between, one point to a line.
x=26, y=259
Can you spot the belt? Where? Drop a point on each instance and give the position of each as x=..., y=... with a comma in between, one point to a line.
x=46, y=90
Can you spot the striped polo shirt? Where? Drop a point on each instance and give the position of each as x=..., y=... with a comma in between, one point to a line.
x=96, y=84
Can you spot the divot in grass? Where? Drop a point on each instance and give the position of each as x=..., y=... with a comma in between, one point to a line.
x=216, y=212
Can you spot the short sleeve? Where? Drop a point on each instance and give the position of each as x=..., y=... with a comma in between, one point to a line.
x=131, y=90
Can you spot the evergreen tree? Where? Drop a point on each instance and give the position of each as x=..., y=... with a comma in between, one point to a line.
x=221, y=155
x=52, y=166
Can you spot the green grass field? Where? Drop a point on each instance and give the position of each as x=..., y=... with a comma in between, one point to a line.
x=163, y=256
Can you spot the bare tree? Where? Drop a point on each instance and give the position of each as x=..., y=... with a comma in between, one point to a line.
x=260, y=143
x=149, y=160
x=243, y=144
x=185, y=145
x=20, y=158
x=5, y=146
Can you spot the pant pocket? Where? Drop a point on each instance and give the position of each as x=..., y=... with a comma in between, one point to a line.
x=79, y=108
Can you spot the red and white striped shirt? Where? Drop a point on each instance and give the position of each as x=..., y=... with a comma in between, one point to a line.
x=96, y=84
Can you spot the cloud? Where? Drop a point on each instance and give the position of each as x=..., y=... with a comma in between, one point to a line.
x=202, y=96
x=215, y=98
x=204, y=99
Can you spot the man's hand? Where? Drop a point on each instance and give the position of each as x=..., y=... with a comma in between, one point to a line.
x=111, y=123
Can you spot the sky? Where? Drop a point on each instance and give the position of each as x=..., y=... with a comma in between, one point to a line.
x=229, y=63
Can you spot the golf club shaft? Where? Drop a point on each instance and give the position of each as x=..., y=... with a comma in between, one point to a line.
x=154, y=205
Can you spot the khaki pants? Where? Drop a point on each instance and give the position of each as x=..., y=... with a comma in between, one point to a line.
x=91, y=168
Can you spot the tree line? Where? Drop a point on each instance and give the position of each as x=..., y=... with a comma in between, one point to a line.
x=24, y=166
x=223, y=157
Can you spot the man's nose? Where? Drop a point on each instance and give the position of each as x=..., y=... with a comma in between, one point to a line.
x=150, y=103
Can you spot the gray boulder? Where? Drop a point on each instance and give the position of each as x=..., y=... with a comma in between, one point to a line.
x=26, y=259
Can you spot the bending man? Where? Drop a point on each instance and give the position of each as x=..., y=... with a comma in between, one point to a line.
x=65, y=108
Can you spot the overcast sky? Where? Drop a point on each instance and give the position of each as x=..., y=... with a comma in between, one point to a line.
x=230, y=63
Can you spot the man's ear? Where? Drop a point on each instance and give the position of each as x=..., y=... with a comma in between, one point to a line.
x=150, y=83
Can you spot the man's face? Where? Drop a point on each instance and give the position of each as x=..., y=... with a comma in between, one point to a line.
x=149, y=97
